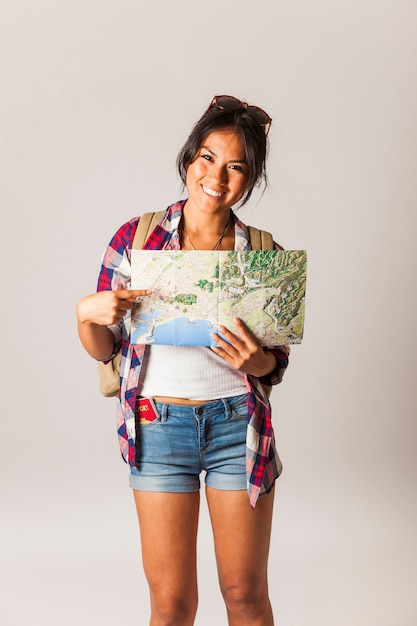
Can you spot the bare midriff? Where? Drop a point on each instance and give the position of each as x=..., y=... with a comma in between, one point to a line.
x=187, y=401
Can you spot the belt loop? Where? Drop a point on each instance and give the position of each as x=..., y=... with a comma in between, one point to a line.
x=227, y=407
x=164, y=412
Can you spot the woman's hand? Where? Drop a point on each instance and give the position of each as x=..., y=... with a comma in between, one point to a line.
x=96, y=312
x=108, y=307
x=243, y=351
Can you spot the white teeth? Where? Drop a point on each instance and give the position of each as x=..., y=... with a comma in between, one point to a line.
x=211, y=192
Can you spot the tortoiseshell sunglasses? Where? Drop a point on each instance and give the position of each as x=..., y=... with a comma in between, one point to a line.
x=230, y=103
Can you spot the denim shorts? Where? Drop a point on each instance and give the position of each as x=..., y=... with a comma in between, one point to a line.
x=172, y=451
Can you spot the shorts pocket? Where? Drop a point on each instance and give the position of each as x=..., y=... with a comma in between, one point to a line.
x=239, y=407
x=146, y=413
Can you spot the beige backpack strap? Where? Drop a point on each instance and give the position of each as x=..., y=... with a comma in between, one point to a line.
x=147, y=223
x=260, y=239
x=267, y=240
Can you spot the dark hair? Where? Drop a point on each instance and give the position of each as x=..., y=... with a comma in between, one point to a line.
x=253, y=136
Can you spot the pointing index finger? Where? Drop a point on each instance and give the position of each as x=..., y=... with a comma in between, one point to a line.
x=132, y=294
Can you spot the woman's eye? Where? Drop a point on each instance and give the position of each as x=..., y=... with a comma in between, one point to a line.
x=207, y=157
x=238, y=168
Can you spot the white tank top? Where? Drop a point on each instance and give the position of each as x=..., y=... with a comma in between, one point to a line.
x=196, y=373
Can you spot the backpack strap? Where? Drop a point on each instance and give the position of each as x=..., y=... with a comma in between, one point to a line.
x=146, y=225
x=260, y=239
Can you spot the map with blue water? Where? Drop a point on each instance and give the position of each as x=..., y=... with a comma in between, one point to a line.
x=194, y=291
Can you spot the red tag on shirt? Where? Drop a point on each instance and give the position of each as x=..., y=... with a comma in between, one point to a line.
x=146, y=410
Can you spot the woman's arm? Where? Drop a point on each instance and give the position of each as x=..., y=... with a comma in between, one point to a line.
x=108, y=306
x=97, y=312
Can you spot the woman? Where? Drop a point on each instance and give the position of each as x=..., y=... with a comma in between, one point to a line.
x=213, y=412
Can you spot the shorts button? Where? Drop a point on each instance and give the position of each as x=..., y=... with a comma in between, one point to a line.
x=199, y=411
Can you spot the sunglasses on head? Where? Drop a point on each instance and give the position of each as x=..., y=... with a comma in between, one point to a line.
x=230, y=103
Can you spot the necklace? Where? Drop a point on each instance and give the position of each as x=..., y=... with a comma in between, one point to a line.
x=218, y=242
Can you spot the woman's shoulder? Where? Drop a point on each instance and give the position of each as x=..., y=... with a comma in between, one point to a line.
x=124, y=235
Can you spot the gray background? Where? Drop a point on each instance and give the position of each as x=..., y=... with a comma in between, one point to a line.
x=97, y=98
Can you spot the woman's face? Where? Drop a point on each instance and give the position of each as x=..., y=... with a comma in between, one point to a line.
x=217, y=178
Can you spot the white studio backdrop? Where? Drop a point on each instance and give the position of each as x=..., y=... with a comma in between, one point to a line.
x=97, y=98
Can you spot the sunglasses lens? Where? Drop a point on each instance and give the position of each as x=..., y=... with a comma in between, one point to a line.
x=259, y=115
x=229, y=103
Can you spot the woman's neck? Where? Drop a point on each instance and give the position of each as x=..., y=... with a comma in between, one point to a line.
x=198, y=221
x=206, y=231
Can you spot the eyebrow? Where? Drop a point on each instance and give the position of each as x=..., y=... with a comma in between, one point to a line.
x=231, y=161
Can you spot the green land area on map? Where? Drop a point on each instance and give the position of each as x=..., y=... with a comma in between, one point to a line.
x=194, y=291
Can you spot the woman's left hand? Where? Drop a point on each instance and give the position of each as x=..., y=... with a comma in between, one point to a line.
x=243, y=351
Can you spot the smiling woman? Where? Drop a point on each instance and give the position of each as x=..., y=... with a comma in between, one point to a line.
x=243, y=119
x=208, y=406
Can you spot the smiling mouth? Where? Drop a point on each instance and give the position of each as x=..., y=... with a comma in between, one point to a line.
x=212, y=192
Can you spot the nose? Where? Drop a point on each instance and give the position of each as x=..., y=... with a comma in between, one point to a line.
x=220, y=174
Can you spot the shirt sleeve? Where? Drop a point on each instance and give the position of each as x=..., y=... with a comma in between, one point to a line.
x=281, y=354
x=115, y=271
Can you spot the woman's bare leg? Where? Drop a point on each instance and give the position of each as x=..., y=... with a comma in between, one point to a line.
x=242, y=539
x=168, y=527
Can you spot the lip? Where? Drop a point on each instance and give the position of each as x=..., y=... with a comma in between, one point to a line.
x=212, y=193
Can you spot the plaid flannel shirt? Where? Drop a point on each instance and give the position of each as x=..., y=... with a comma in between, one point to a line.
x=263, y=465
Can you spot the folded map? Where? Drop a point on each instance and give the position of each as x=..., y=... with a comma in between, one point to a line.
x=194, y=291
